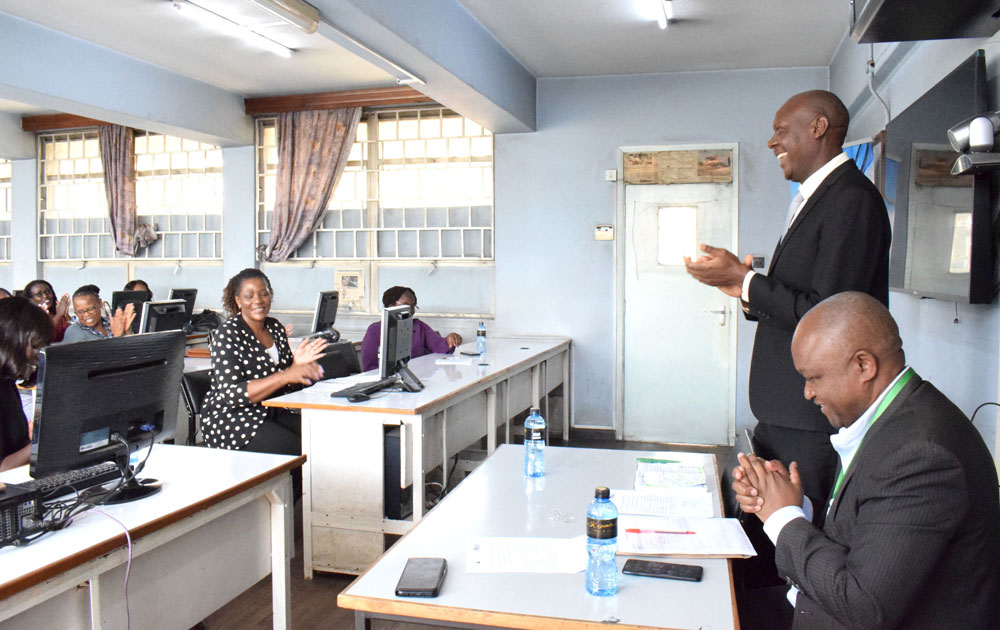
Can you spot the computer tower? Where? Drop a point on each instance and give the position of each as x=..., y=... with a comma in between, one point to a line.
x=398, y=501
x=16, y=503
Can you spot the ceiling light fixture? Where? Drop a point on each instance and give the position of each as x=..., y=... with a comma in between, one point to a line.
x=666, y=13
x=227, y=26
x=298, y=13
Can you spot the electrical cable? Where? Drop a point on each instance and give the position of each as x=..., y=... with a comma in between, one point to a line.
x=973, y=418
x=128, y=564
x=871, y=83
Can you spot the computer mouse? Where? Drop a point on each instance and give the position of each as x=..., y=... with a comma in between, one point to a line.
x=358, y=398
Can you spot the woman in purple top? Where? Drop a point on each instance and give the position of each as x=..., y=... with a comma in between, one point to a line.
x=425, y=340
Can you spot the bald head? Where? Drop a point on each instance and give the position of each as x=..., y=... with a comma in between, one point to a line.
x=848, y=349
x=828, y=105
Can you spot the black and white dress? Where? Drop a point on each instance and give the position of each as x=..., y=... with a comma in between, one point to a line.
x=229, y=419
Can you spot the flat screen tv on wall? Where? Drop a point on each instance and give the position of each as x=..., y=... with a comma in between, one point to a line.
x=944, y=227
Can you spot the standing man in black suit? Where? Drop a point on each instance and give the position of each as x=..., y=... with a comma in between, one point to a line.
x=911, y=537
x=836, y=238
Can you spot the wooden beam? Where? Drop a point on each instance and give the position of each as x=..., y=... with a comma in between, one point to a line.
x=402, y=95
x=49, y=122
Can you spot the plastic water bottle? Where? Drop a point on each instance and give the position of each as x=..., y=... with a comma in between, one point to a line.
x=481, y=339
x=534, y=444
x=602, y=544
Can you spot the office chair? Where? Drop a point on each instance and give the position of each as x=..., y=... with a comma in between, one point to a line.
x=194, y=387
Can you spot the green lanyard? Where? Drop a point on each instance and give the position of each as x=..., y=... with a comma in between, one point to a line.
x=903, y=380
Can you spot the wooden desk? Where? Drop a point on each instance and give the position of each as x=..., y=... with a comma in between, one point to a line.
x=496, y=500
x=222, y=522
x=343, y=480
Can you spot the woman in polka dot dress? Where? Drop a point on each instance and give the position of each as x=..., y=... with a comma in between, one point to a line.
x=251, y=362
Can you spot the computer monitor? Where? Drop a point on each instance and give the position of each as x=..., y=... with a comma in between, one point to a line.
x=188, y=295
x=120, y=298
x=326, y=311
x=339, y=359
x=396, y=346
x=161, y=315
x=93, y=394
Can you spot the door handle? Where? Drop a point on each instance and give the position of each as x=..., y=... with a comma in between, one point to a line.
x=721, y=312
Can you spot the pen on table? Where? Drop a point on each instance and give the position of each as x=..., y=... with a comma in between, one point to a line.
x=653, y=531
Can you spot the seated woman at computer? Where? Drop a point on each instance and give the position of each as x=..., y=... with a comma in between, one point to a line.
x=43, y=295
x=425, y=340
x=90, y=323
x=24, y=330
x=138, y=285
x=252, y=361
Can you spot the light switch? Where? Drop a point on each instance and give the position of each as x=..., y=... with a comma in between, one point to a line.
x=611, y=175
x=604, y=233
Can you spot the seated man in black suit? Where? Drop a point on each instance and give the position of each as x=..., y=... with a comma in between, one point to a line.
x=912, y=531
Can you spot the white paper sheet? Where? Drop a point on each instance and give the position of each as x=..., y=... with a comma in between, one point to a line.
x=657, y=474
x=706, y=537
x=685, y=503
x=527, y=555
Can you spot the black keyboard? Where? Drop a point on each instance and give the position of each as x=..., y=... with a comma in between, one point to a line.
x=366, y=388
x=78, y=479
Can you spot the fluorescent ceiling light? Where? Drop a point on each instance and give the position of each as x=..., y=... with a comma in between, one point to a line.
x=298, y=13
x=228, y=27
x=666, y=13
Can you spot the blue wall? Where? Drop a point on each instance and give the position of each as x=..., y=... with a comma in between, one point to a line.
x=960, y=359
x=550, y=192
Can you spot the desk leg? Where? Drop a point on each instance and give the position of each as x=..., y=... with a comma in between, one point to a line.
x=95, y=603
x=544, y=396
x=506, y=411
x=362, y=621
x=444, y=451
x=418, y=467
x=307, y=484
x=281, y=580
x=535, y=385
x=491, y=419
x=566, y=396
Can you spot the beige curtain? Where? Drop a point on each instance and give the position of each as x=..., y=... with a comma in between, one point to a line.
x=118, y=157
x=313, y=148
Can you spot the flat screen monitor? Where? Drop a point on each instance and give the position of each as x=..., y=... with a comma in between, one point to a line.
x=396, y=346
x=188, y=295
x=943, y=225
x=161, y=315
x=95, y=394
x=138, y=298
x=326, y=311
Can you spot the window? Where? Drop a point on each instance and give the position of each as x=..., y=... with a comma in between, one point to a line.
x=418, y=185
x=6, y=209
x=178, y=192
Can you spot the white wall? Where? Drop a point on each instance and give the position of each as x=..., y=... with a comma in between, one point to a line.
x=959, y=358
x=551, y=276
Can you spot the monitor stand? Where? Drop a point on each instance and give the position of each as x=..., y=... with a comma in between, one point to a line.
x=133, y=490
x=409, y=380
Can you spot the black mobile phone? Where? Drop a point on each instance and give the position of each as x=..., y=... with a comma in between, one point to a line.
x=470, y=354
x=422, y=577
x=668, y=570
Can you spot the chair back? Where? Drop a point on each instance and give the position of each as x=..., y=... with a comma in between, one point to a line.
x=194, y=388
x=744, y=444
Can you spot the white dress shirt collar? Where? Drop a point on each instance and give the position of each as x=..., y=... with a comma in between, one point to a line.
x=812, y=182
x=848, y=439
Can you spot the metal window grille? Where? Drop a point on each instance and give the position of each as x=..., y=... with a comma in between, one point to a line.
x=418, y=186
x=178, y=192
x=6, y=209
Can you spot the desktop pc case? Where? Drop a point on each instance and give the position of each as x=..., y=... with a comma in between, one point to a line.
x=15, y=505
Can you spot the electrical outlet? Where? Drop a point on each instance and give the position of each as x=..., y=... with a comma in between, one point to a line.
x=611, y=175
x=758, y=262
x=604, y=232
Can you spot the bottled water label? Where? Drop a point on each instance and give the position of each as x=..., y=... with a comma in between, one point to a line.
x=602, y=528
x=534, y=434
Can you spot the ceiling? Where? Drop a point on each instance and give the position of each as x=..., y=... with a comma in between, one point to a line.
x=551, y=38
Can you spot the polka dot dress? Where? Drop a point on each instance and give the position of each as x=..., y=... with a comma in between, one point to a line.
x=229, y=419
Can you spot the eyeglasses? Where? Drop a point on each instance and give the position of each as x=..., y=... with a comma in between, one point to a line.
x=87, y=311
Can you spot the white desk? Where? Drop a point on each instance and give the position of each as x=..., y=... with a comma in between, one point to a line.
x=343, y=493
x=221, y=522
x=496, y=500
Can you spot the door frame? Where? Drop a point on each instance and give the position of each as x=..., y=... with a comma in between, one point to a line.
x=619, y=277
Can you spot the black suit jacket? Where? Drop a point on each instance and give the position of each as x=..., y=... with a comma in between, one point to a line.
x=838, y=242
x=913, y=539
